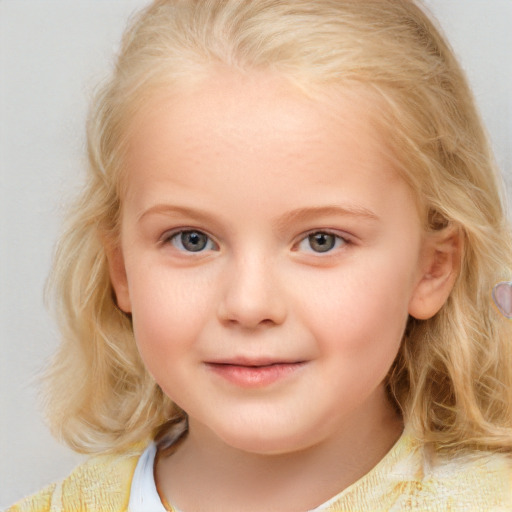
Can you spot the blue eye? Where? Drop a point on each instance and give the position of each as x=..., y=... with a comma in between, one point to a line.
x=192, y=241
x=321, y=242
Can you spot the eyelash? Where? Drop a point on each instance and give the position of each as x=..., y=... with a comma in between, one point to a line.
x=206, y=243
x=338, y=241
x=176, y=239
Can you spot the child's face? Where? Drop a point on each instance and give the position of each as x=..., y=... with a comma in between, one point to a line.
x=271, y=257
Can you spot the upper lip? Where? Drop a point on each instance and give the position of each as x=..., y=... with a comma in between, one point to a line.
x=254, y=361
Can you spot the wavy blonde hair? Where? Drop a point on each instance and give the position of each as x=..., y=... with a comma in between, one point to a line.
x=452, y=378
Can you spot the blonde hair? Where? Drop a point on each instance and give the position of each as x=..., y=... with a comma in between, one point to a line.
x=452, y=378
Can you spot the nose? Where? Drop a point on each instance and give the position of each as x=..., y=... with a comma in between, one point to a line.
x=251, y=295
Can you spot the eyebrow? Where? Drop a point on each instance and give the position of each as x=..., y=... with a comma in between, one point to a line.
x=168, y=209
x=304, y=214
x=298, y=215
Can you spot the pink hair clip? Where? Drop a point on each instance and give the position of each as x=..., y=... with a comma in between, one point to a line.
x=502, y=297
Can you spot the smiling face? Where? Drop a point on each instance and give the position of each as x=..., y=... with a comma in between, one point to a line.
x=270, y=258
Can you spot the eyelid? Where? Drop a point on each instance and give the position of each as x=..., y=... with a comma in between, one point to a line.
x=167, y=236
x=346, y=238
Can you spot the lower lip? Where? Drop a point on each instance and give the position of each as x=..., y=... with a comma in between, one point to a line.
x=255, y=376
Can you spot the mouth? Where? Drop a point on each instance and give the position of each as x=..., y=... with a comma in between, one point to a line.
x=255, y=373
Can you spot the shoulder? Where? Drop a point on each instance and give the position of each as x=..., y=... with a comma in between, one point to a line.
x=102, y=483
x=473, y=480
x=470, y=481
x=413, y=478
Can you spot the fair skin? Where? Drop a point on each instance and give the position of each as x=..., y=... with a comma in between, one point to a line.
x=270, y=257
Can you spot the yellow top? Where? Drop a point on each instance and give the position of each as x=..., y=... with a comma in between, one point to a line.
x=406, y=479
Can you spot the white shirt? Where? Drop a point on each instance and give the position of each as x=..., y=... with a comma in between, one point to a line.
x=143, y=494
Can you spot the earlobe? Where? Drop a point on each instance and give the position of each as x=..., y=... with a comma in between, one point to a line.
x=440, y=265
x=118, y=277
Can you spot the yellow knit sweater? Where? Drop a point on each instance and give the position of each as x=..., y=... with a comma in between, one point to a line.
x=406, y=479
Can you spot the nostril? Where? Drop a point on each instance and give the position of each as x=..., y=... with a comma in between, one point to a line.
x=251, y=316
x=248, y=324
x=250, y=297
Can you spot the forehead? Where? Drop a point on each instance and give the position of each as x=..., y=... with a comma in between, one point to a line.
x=251, y=106
x=257, y=127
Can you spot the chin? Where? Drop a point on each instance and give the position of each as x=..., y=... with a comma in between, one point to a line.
x=266, y=440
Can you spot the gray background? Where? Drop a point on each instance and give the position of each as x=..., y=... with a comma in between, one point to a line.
x=52, y=53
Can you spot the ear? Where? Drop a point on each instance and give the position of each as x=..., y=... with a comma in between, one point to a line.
x=118, y=277
x=439, y=268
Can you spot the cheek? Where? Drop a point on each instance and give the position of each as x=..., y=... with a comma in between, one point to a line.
x=358, y=338
x=362, y=314
x=168, y=311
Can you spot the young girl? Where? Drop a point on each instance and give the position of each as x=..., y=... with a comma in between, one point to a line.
x=275, y=291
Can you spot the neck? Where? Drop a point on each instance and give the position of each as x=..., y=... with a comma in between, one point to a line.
x=207, y=474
